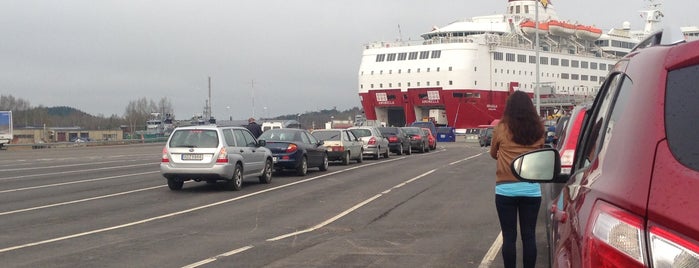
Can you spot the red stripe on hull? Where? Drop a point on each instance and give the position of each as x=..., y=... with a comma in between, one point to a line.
x=464, y=108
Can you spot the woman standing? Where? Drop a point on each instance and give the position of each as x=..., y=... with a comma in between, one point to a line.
x=520, y=130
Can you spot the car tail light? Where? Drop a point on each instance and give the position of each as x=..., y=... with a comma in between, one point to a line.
x=337, y=148
x=291, y=148
x=416, y=137
x=670, y=250
x=615, y=238
x=165, y=158
x=222, y=156
x=372, y=141
x=393, y=139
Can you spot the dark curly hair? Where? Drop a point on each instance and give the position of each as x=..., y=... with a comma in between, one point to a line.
x=521, y=118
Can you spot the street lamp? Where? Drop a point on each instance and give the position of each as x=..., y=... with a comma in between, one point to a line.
x=229, y=113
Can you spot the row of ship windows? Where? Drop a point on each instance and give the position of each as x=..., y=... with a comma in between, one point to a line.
x=390, y=85
x=428, y=69
x=455, y=95
x=565, y=76
x=434, y=54
x=552, y=61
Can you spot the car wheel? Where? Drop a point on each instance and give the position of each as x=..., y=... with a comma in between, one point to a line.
x=400, y=149
x=266, y=176
x=385, y=154
x=302, y=169
x=377, y=155
x=361, y=157
x=410, y=150
x=324, y=167
x=423, y=148
x=175, y=184
x=346, y=158
x=236, y=183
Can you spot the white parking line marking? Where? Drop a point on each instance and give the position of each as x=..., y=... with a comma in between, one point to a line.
x=183, y=211
x=73, y=182
x=213, y=259
x=73, y=171
x=492, y=252
x=326, y=222
x=79, y=200
x=465, y=159
x=70, y=165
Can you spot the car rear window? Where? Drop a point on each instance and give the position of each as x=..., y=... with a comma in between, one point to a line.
x=682, y=115
x=327, y=135
x=194, y=138
x=388, y=130
x=361, y=132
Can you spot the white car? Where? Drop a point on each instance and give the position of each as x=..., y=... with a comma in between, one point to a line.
x=375, y=144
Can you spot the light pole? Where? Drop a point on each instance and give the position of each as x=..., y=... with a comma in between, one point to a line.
x=228, y=108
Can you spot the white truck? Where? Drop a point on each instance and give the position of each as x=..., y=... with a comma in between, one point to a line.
x=5, y=128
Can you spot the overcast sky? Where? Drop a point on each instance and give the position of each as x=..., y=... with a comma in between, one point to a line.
x=296, y=55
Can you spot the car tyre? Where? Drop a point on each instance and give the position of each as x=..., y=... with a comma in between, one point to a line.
x=400, y=149
x=385, y=154
x=423, y=148
x=175, y=184
x=361, y=157
x=236, y=182
x=302, y=169
x=266, y=176
x=346, y=158
x=410, y=150
x=325, y=164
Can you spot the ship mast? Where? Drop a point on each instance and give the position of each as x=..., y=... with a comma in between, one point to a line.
x=652, y=16
x=537, y=97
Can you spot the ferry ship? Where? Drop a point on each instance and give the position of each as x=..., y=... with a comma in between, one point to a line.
x=460, y=75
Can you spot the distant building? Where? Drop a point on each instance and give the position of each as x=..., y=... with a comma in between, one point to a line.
x=35, y=135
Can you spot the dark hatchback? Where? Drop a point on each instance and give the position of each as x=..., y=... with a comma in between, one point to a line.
x=631, y=198
x=295, y=149
x=418, y=139
x=398, y=140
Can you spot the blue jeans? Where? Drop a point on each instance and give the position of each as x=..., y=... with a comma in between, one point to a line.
x=528, y=209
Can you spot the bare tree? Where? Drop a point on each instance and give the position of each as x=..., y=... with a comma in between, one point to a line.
x=9, y=103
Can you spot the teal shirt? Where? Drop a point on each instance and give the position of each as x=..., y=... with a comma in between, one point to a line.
x=513, y=189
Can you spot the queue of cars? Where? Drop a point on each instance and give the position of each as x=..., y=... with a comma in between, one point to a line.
x=213, y=153
x=629, y=199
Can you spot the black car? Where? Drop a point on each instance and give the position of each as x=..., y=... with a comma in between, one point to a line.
x=295, y=149
x=418, y=139
x=398, y=140
x=486, y=136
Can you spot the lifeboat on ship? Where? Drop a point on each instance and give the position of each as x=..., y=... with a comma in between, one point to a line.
x=588, y=33
x=529, y=28
x=561, y=28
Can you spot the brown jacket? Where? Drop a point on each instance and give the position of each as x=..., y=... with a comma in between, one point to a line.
x=504, y=150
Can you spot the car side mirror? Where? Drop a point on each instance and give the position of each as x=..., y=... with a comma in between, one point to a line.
x=320, y=142
x=261, y=143
x=543, y=165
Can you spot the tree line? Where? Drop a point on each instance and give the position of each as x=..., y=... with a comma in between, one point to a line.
x=135, y=115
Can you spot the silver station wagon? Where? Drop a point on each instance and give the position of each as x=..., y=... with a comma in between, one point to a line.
x=211, y=154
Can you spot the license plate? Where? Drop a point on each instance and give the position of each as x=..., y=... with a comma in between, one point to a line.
x=192, y=157
x=274, y=159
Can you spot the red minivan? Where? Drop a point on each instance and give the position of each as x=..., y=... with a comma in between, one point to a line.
x=631, y=198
